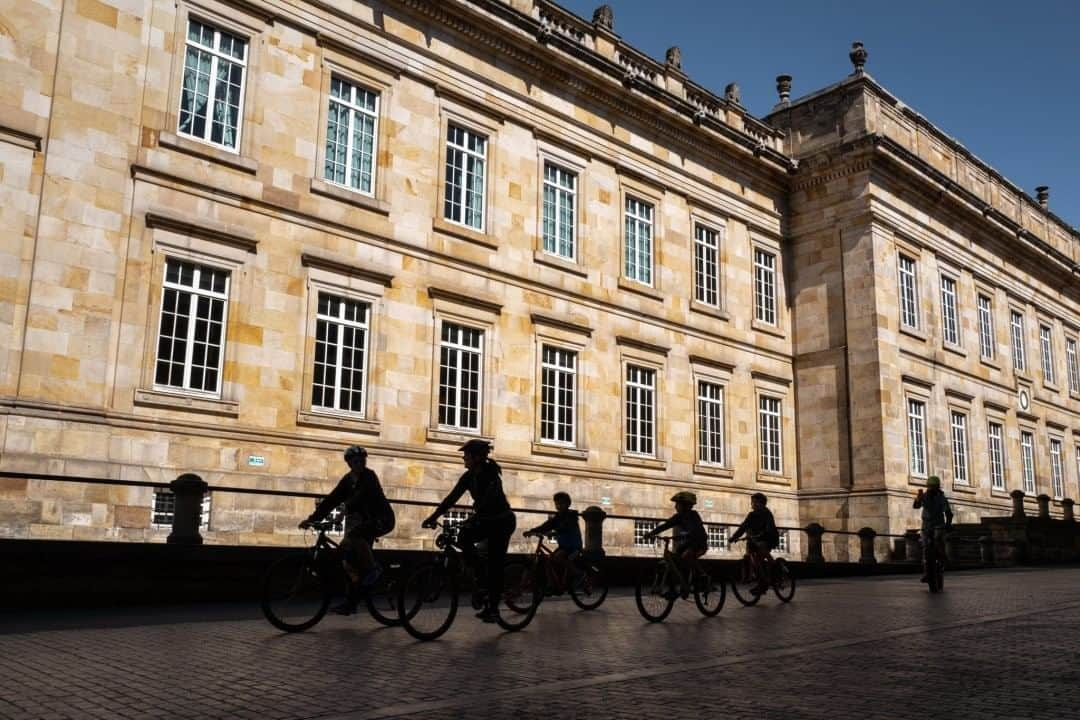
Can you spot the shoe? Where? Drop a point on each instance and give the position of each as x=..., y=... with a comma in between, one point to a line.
x=488, y=615
x=345, y=608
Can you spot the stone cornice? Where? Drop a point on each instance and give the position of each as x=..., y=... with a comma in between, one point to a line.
x=20, y=138
x=340, y=266
x=627, y=341
x=202, y=227
x=459, y=298
x=561, y=324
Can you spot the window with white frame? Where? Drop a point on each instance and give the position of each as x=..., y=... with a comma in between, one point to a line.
x=455, y=518
x=1074, y=367
x=560, y=211
x=466, y=165
x=916, y=413
x=460, y=370
x=351, y=132
x=1027, y=461
x=717, y=536
x=1046, y=344
x=710, y=398
x=1016, y=329
x=191, y=332
x=640, y=410
x=996, y=446
x=558, y=395
x=638, y=240
x=706, y=265
x=641, y=529
x=909, y=293
x=165, y=509
x=212, y=95
x=1057, y=471
x=986, y=327
x=764, y=286
x=959, y=447
x=769, y=419
x=782, y=542
x=950, y=325
x=339, y=380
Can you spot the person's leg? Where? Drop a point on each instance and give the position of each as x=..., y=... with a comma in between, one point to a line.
x=927, y=550
x=498, y=543
x=559, y=569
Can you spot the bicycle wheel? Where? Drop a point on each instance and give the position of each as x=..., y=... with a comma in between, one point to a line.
x=521, y=595
x=295, y=595
x=783, y=580
x=589, y=589
x=709, y=594
x=744, y=582
x=428, y=601
x=654, y=599
x=381, y=599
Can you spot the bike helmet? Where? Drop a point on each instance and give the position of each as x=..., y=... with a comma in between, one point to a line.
x=684, y=496
x=476, y=445
x=933, y=482
x=354, y=451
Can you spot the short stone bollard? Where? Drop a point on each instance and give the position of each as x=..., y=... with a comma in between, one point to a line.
x=187, y=512
x=1044, y=506
x=1018, y=503
x=912, y=546
x=814, y=531
x=1067, y=510
x=986, y=550
x=866, y=545
x=594, y=530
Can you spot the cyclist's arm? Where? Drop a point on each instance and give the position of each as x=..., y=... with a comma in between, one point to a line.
x=739, y=531
x=450, y=500
x=546, y=526
x=337, y=496
x=948, y=511
x=666, y=525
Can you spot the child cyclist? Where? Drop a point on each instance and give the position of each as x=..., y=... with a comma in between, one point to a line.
x=564, y=525
x=691, y=540
x=762, y=536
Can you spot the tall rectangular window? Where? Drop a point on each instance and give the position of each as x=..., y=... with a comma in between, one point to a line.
x=1027, y=461
x=1074, y=368
x=959, y=448
x=909, y=292
x=640, y=410
x=950, y=325
x=1057, y=472
x=460, y=367
x=1046, y=344
x=191, y=334
x=710, y=398
x=764, y=286
x=706, y=266
x=916, y=413
x=1016, y=329
x=560, y=211
x=212, y=95
x=638, y=240
x=996, y=444
x=986, y=327
x=558, y=395
x=769, y=433
x=350, y=136
x=466, y=165
x=341, y=348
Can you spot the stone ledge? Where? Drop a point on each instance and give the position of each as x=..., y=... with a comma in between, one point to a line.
x=714, y=471
x=562, y=451
x=554, y=261
x=337, y=422
x=641, y=462
x=207, y=152
x=348, y=195
x=762, y=327
x=640, y=289
x=210, y=406
x=456, y=437
x=913, y=332
x=769, y=479
x=461, y=232
x=710, y=310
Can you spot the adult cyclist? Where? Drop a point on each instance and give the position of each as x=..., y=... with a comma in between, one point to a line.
x=936, y=521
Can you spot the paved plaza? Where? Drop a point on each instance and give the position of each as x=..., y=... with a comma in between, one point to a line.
x=996, y=644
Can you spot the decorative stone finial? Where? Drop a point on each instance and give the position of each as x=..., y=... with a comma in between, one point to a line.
x=783, y=88
x=858, y=57
x=673, y=58
x=604, y=16
x=733, y=94
x=1042, y=194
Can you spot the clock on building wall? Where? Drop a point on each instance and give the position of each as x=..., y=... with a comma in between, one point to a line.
x=1025, y=399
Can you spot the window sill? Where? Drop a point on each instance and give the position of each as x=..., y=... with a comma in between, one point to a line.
x=955, y=349
x=710, y=310
x=562, y=451
x=337, y=422
x=461, y=232
x=641, y=461
x=989, y=362
x=999, y=493
x=966, y=489
x=353, y=197
x=1074, y=395
x=191, y=403
x=714, y=471
x=770, y=479
x=543, y=258
x=1022, y=375
x=1052, y=387
x=913, y=332
x=768, y=329
x=641, y=289
x=917, y=480
x=207, y=152
x=455, y=437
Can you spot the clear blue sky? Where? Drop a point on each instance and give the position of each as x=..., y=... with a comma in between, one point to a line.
x=1000, y=77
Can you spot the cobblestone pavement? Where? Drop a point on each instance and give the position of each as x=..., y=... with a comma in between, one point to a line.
x=996, y=644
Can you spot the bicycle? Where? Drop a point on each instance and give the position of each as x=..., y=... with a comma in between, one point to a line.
x=298, y=587
x=935, y=563
x=427, y=599
x=656, y=588
x=747, y=578
x=583, y=579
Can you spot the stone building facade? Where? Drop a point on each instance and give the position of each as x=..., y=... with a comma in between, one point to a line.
x=240, y=235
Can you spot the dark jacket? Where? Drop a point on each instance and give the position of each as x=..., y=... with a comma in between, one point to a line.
x=759, y=525
x=936, y=512
x=485, y=486
x=565, y=527
x=362, y=496
x=689, y=529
